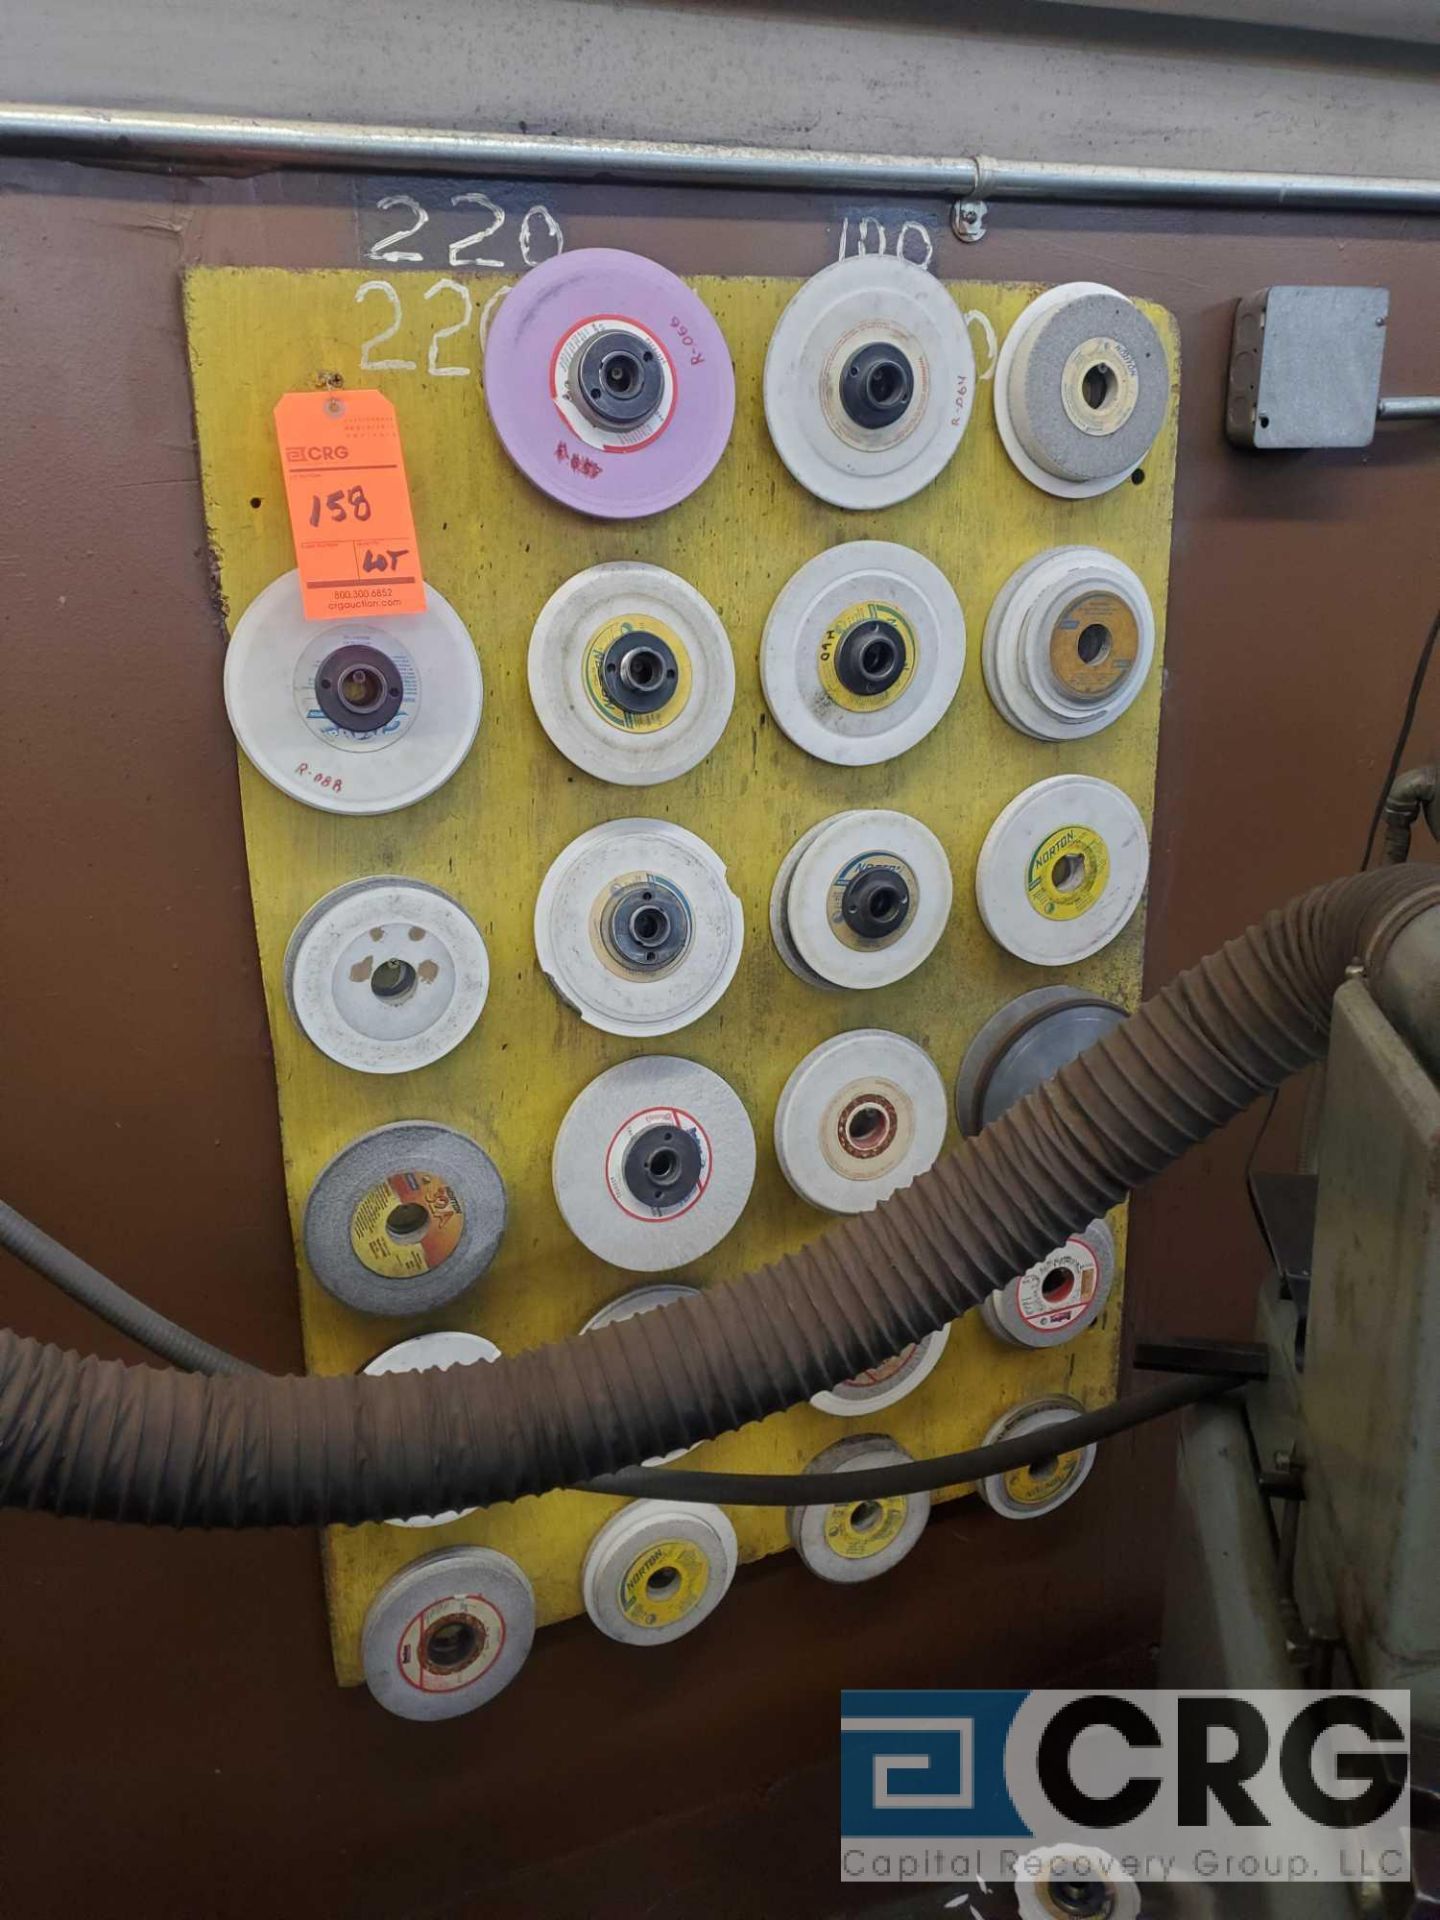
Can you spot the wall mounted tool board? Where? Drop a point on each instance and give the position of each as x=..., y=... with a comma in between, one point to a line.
x=497, y=549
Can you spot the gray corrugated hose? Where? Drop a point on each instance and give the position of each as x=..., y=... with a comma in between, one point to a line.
x=86, y=1436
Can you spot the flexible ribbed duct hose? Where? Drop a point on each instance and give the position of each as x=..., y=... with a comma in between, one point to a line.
x=88, y=1436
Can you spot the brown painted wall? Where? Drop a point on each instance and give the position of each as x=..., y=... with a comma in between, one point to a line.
x=170, y=1739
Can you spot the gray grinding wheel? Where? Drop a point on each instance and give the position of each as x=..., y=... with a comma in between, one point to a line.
x=1082, y=388
x=404, y=1219
x=1023, y=1045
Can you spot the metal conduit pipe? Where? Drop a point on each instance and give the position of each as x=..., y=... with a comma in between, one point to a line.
x=85, y=1436
x=118, y=136
x=1409, y=406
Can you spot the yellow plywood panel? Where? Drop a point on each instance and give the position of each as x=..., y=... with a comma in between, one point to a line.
x=497, y=549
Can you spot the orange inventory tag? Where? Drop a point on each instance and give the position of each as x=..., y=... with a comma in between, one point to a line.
x=349, y=504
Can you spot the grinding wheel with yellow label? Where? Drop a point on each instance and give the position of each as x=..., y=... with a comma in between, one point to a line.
x=631, y=673
x=1062, y=869
x=657, y=1569
x=850, y=1541
x=863, y=652
x=1025, y=1493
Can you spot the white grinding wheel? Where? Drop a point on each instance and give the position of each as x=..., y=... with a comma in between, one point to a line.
x=1062, y=869
x=636, y=927
x=1082, y=386
x=386, y=975
x=1060, y=1296
x=352, y=716
x=1068, y=644
x=868, y=898
x=1073, y=1878
x=869, y=381
x=880, y=1387
x=631, y=673
x=863, y=652
x=861, y=1115
x=644, y=1300
x=780, y=925
x=653, y=1163
x=404, y=1219
x=1024, y=1493
x=422, y=1354
x=655, y=1570
x=447, y=1633
x=855, y=1540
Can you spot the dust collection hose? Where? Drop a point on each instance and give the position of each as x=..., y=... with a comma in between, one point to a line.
x=88, y=1436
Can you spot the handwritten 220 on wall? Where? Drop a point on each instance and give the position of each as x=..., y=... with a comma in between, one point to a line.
x=1269, y=1785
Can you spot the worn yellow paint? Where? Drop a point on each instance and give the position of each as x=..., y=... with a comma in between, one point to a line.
x=496, y=548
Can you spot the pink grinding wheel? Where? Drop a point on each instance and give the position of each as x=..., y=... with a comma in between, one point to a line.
x=539, y=336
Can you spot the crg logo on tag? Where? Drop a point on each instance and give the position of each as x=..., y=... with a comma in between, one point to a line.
x=1225, y=1786
x=325, y=454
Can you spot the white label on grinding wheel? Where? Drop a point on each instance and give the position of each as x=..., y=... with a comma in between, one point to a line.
x=1058, y=1290
x=418, y=1654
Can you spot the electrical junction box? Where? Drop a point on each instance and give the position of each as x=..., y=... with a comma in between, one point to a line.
x=1305, y=367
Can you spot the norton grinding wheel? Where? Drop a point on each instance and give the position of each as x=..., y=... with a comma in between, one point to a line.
x=404, y=1219
x=861, y=1115
x=653, y=1163
x=358, y=715
x=1062, y=869
x=447, y=1633
x=631, y=673
x=869, y=381
x=419, y=1355
x=1060, y=1296
x=609, y=383
x=636, y=927
x=386, y=974
x=1068, y=644
x=656, y=1570
x=1082, y=386
x=855, y=1540
x=1025, y=1493
x=863, y=652
x=861, y=900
